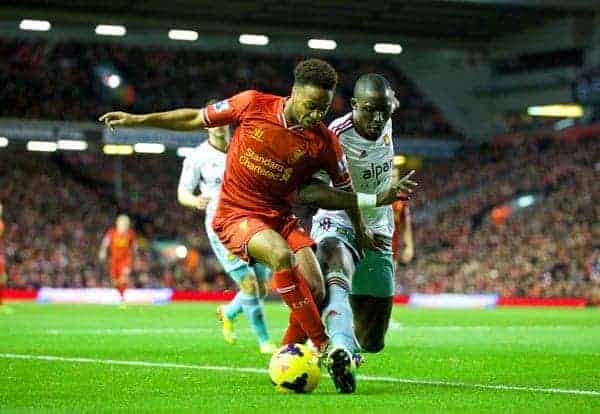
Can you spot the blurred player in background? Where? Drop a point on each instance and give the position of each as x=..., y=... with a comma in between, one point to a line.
x=120, y=242
x=204, y=167
x=402, y=240
x=278, y=145
x=360, y=282
x=3, y=274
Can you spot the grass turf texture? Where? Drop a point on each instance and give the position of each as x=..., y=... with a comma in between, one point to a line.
x=547, y=348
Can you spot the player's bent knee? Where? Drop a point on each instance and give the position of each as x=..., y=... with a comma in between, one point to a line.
x=281, y=259
x=330, y=250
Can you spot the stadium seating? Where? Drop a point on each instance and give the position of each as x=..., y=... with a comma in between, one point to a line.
x=61, y=81
x=546, y=250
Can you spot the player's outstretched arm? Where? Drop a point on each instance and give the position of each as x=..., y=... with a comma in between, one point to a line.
x=321, y=195
x=185, y=119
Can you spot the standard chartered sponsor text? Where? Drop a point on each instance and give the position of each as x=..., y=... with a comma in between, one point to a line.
x=252, y=161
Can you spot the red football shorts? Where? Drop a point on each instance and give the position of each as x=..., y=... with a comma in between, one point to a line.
x=235, y=232
x=119, y=269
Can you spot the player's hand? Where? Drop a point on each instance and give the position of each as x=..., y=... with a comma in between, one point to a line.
x=407, y=254
x=366, y=240
x=369, y=241
x=121, y=119
x=399, y=190
x=202, y=202
x=102, y=256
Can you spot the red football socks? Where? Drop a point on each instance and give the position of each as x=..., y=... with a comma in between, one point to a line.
x=294, y=333
x=294, y=291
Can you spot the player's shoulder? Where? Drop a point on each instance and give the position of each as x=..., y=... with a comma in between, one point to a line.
x=254, y=96
x=342, y=124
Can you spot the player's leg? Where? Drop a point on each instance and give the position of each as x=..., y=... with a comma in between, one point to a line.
x=237, y=270
x=372, y=299
x=269, y=247
x=254, y=311
x=337, y=263
x=119, y=275
x=248, y=298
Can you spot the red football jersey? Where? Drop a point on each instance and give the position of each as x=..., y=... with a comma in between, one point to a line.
x=267, y=159
x=120, y=245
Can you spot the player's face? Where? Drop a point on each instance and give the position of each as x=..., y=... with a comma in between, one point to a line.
x=372, y=112
x=122, y=224
x=310, y=104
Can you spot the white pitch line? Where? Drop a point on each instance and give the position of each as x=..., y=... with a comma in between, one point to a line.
x=264, y=371
x=129, y=331
x=394, y=327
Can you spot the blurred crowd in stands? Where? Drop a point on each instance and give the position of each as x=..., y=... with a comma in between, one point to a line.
x=68, y=81
x=550, y=248
x=57, y=208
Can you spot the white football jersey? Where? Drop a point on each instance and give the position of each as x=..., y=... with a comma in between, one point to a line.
x=370, y=164
x=204, y=167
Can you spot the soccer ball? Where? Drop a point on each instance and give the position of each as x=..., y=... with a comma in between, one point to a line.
x=294, y=368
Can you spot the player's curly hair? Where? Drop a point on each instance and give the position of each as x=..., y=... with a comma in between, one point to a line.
x=315, y=72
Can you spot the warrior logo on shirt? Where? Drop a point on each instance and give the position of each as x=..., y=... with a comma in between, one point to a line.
x=257, y=134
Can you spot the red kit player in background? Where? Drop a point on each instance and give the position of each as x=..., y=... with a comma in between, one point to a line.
x=278, y=145
x=120, y=242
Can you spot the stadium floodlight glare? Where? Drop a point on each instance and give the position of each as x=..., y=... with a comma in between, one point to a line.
x=399, y=160
x=525, y=201
x=113, y=81
x=557, y=111
x=387, y=48
x=325, y=44
x=41, y=146
x=184, y=151
x=181, y=251
x=35, y=25
x=177, y=34
x=72, y=145
x=110, y=30
x=3, y=142
x=254, y=39
x=115, y=149
x=149, y=148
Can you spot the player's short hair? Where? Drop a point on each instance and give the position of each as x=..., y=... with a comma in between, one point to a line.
x=315, y=72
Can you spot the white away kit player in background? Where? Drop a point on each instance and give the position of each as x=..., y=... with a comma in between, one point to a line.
x=204, y=168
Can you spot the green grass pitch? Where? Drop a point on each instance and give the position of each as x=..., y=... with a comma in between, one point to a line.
x=63, y=358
